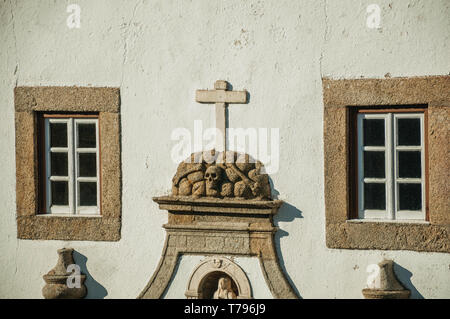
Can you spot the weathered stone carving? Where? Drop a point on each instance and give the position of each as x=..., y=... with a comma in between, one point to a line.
x=217, y=226
x=390, y=287
x=220, y=207
x=56, y=279
x=224, y=290
x=213, y=177
x=225, y=175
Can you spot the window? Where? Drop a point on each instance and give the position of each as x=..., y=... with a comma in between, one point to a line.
x=391, y=164
x=71, y=158
x=386, y=146
x=68, y=163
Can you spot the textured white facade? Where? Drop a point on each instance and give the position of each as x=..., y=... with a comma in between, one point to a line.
x=159, y=52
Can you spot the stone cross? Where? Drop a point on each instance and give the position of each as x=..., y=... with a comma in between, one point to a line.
x=221, y=97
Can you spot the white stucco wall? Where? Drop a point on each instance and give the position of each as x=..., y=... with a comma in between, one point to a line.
x=159, y=53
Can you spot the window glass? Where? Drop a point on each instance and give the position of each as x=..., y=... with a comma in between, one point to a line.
x=374, y=164
x=60, y=193
x=373, y=132
x=87, y=164
x=375, y=196
x=408, y=131
x=59, y=164
x=88, y=194
x=410, y=196
x=409, y=164
x=58, y=134
x=86, y=135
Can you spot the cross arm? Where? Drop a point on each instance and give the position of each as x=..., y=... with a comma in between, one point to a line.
x=221, y=96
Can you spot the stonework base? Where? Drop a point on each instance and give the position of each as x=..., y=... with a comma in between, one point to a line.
x=196, y=228
x=385, y=294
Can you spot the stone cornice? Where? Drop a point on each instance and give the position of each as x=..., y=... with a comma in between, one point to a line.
x=212, y=205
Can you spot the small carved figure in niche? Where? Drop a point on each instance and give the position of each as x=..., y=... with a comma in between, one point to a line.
x=224, y=290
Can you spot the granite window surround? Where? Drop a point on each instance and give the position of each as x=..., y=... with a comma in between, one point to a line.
x=29, y=102
x=345, y=232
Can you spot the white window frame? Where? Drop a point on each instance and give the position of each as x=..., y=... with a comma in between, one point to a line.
x=391, y=180
x=72, y=149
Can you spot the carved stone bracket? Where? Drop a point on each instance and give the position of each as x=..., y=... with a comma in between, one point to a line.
x=214, y=226
x=389, y=286
x=56, y=286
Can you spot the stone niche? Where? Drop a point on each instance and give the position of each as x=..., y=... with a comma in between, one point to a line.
x=218, y=278
x=220, y=205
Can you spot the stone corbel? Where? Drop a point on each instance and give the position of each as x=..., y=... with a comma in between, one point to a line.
x=389, y=287
x=56, y=279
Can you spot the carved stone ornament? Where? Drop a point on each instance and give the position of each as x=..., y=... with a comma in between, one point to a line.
x=56, y=279
x=221, y=175
x=224, y=289
x=218, y=278
x=220, y=207
x=390, y=287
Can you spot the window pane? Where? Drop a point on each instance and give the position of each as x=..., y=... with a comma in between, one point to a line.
x=60, y=193
x=374, y=165
x=409, y=164
x=86, y=135
x=373, y=132
x=410, y=196
x=58, y=164
x=408, y=131
x=58, y=135
x=374, y=196
x=88, y=194
x=87, y=163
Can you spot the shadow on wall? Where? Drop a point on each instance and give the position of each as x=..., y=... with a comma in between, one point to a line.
x=287, y=213
x=94, y=289
x=404, y=276
x=273, y=192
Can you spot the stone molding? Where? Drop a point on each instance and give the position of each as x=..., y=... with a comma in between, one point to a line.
x=247, y=233
x=66, y=98
x=100, y=100
x=342, y=95
x=218, y=206
x=222, y=264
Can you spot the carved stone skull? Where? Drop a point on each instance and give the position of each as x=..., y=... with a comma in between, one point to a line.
x=213, y=177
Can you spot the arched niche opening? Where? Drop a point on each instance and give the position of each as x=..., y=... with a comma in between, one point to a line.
x=209, y=286
x=218, y=277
